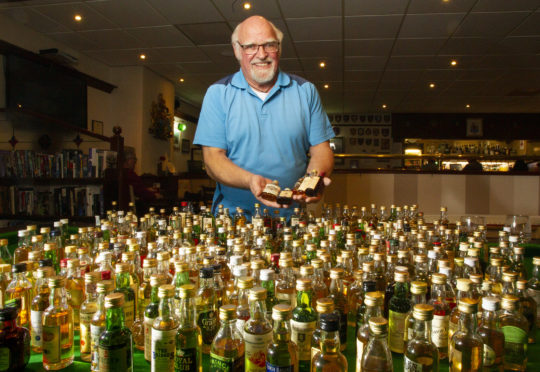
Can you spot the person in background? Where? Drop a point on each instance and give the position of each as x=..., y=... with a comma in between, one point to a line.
x=431, y=165
x=133, y=179
x=520, y=166
x=259, y=124
x=473, y=165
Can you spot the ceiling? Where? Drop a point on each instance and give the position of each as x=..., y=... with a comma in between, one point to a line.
x=377, y=52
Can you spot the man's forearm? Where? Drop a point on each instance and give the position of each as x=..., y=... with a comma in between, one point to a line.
x=223, y=170
x=322, y=159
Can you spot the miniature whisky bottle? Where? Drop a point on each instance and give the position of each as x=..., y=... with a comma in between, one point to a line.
x=188, y=356
x=374, y=308
x=97, y=326
x=492, y=336
x=257, y=332
x=88, y=308
x=14, y=342
x=227, y=351
x=164, y=331
x=38, y=306
x=421, y=353
x=377, y=356
x=271, y=191
x=466, y=345
x=441, y=315
x=282, y=353
x=285, y=197
x=514, y=326
x=123, y=286
x=303, y=323
x=398, y=306
x=330, y=357
x=19, y=293
x=207, y=316
x=337, y=294
x=152, y=312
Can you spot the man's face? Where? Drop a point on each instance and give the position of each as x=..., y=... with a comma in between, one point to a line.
x=260, y=69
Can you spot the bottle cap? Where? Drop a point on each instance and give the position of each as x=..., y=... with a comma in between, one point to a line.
x=187, y=291
x=157, y=279
x=423, y=312
x=149, y=263
x=5, y=268
x=8, y=313
x=19, y=267
x=476, y=278
x=419, y=288
x=337, y=273
x=114, y=300
x=166, y=291
x=227, y=312
x=468, y=305
x=73, y=263
x=122, y=267
x=303, y=284
x=105, y=286
x=245, y=282
x=491, y=303
x=463, y=284
x=266, y=275
x=325, y=305
x=207, y=272
x=329, y=322
x=378, y=325
x=401, y=276
x=374, y=299
x=57, y=282
x=257, y=293
x=306, y=270
x=536, y=261
x=510, y=302
x=281, y=312
x=92, y=277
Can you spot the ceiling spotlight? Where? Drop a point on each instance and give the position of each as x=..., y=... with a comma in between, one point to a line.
x=247, y=5
x=77, y=17
x=432, y=85
x=181, y=80
x=142, y=56
x=326, y=86
x=453, y=62
x=322, y=64
x=467, y=106
x=384, y=106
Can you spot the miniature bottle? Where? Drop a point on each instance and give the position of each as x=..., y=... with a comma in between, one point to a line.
x=329, y=358
x=514, y=326
x=227, y=351
x=164, y=331
x=151, y=313
x=271, y=191
x=14, y=342
x=324, y=306
x=421, y=353
x=398, y=306
x=466, y=345
x=257, y=332
x=337, y=294
x=303, y=323
x=38, y=306
x=97, y=326
x=373, y=308
x=75, y=289
x=492, y=336
x=282, y=353
x=207, y=316
x=528, y=308
x=188, y=356
x=441, y=315
x=19, y=294
x=123, y=286
x=88, y=308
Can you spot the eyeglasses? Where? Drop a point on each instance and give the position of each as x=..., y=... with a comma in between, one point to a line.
x=250, y=49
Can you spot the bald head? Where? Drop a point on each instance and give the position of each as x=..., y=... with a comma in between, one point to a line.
x=251, y=27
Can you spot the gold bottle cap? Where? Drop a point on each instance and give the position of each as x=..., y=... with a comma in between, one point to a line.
x=306, y=270
x=476, y=278
x=373, y=299
x=70, y=249
x=310, y=247
x=468, y=306
x=73, y=263
x=438, y=278
x=303, y=284
x=420, y=288
x=149, y=263
x=122, y=267
x=105, y=286
x=157, y=279
x=103, y=246
x=187, y=291
x=423, y=312
x=128, y=256
x=519, y=250
x=227, y=312
x=5, y=268
x=346, y=254
x=317, y=263
x=82, y=250
x=207, y=261
x=285, y=262
x=152, y=246
x=323, y=244
x=42, y=272
x=420, y=258
x=401, y=276
x=521, y=284
x=391, y=258
x=257, y=264
x=325, y=305
x=510, y=302
x=57, y=282
x=281, y=312
x=297, y=243
x=378, y=256
x=403, y=254
x=337, y=273
x=180, y=267
x=358, y=274
x=367, y=267
x=163, y=256
x=245, y=282
x=496, y=261
x=378, y=325
x=463, y=284
x=34, y=255
x=49, y=247
x=92, y=277
x=257, y=293
x=536, y=261
x=509, y=276
x=114, y=300
x=166, y=291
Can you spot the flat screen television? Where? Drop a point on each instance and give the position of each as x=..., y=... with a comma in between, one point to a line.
x=46, y=90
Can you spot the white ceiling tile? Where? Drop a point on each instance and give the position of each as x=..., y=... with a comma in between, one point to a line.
x=440, y=6
x=325, y=49
x=160, y=36
x=234, y=10
x=207, y=33
x=490, y=25
x=310, y=29
x=504, y=5
x=374, y=7
x=187, y=11
x=34, y=20
x=371, y=27
x=417, y=46
x=530, y=26
x=137, y=14
x=467, y=46
x=64, y=13
x=368, y=47
x=365, y=63
x=112, y=39
x=310, y=8
x=430, y=25
x=183, y=54
x=74, y=40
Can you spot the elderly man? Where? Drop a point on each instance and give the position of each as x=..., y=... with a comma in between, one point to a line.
x=258, y=124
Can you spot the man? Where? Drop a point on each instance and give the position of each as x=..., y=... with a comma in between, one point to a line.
x=132, y=179
x=258, y=124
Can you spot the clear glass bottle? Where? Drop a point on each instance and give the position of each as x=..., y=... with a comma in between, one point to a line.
x=514, y=326
x=268, y=283
x=14, y=341
x=282, y=353
x=227, y=351
x=418, y=296
x=329, y=358
x=123, y=285
x=421, y=353
x=377, y=356
x=88, y=308
x=337, y=294
x=528, y=308
x=466, y=345
x=115, y=342
x=188, y=356
x=285, y=286
x=323, y=306
x=257, y=332
x=207, y=316
x=5, y=254
x=303, y=323
x=492, y=336
x=75, y=289
x=374, y=303
x=533, y=287
x=441, y=315
x=58, y=347
x=21, y=252
x=398, y=306
x=5, y=270
x=97, y=326
x=244, y=284
x=19, y=294
x=151, y=313
x=38, y=306
x=463, y=291
x=164, y=331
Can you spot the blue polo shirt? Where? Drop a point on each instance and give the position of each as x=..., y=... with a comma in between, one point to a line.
x=270, y=138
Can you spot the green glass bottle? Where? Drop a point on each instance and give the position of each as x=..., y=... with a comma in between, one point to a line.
x=304, y=322
x=206, y=308
x=399, y=306
x=164, y=331
x=123, y=285
x=115, y=346
x=337, y=294
x=188, y=355
x=97, y=325
x=152, y=312
x=282, y=353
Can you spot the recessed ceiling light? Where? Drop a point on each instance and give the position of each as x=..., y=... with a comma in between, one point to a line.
x=432, y=85
x=77, y=17
x=181, y=80
x=326, y=86
x=142, y=56
x=247, y=5
x=384, y=106
x=322, y=64
x=467, y=106
x=453, y=62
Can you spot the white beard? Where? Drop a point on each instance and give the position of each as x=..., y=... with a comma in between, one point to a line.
x=263, y=76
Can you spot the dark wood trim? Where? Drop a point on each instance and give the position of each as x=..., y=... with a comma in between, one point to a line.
x=187, y=117
x=7, y=48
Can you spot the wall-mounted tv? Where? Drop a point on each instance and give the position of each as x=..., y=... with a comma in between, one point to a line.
x=44, y=89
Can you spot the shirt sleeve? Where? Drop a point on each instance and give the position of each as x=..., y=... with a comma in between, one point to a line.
x=320, y=129
x=211, y=126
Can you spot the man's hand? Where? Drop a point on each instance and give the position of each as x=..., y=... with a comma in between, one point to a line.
x=256, y=185
x=313, y=199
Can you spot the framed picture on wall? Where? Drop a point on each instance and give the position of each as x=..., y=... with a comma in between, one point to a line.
x=475, y=127
x=97, y=127
x=186, y=146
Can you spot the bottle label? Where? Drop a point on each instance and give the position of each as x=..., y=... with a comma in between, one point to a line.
x=359, y=353
x=36, y=318
x=115, y=359
x=410, y=366
x=207, y=221
x=4, y=359
x=488, y=356
x=86, y=319
x=51, y=344
x=208, y=323
x=314, y=351
x=515, y=345
x=186, y=360
x=396, y=327
x=129, y=313
x=301, y=333
x=256, y=346
x=273, y=368
x=148, y=338
x=95, y=332
x=452, y=328
x=514, y=335
x=257, y=221
x=271, y=189
x=294, y=221
x=439, y=330
x=163, y=349
x=222, y=364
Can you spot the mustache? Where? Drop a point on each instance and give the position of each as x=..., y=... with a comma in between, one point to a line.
x=266, y=60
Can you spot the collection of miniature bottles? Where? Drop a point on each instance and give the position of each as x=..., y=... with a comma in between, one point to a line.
x=271, y=295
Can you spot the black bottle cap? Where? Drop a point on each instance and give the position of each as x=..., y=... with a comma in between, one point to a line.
x=8, y=313
x=217, y=268
x=19, y=268
x=207, y=272
x=329, y=322
x=45, y=263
